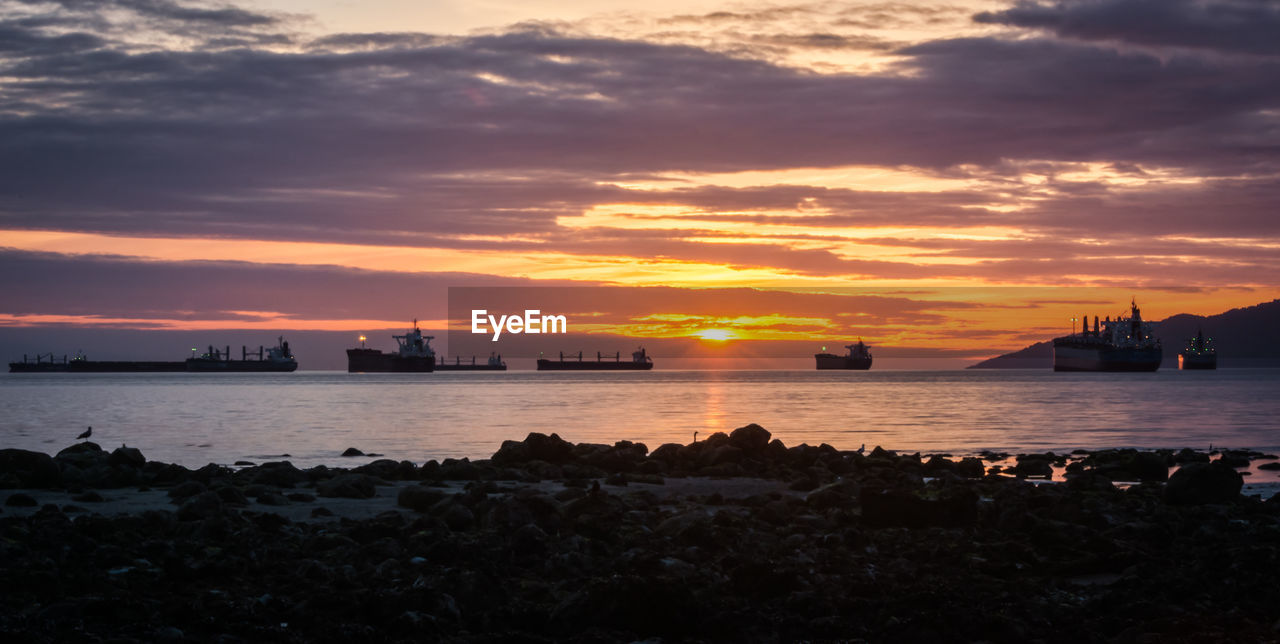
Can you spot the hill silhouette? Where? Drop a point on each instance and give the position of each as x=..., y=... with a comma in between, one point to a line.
x=1245, y=337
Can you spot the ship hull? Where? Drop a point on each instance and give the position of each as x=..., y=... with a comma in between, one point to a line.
x=374, y=361
x=1105, y=358
x=574, y=365
x=832, y=361
x=1194, y=361
x=193, y=365
x=198, y=365
x=98, y=366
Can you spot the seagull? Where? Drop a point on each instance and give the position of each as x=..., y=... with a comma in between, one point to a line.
x=863, y=448
x=86, y=433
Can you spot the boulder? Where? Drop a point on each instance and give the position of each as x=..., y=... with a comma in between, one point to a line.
x=126, y=457
x=535, y=447
x=201, y=506
x=419, y=498
x=82, y=455
x=1197, y=483
x=750, y=438
x=351, y=451
x=1148, y=466
x=20, y=500
x=348, y=486
x=26, y=469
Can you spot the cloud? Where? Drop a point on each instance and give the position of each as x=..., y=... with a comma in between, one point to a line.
x=1233, y=26
x=494, y=141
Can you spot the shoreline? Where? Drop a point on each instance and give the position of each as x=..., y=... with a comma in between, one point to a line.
x=737, y=537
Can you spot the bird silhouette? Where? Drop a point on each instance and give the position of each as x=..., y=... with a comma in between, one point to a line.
x=86, y=433
x=863, y=448
x=695, y=437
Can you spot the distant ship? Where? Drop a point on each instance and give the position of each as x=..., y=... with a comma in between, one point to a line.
x=1125, y=344
x=1199, y=353
x=639, y=362
x=494, y=363
x=859, y=357
x=275, y=359
x=414, y=355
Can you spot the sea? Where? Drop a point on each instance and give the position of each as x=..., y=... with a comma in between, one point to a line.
x=311, y=417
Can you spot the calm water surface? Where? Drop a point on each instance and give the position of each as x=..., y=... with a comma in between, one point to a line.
x=195, y=419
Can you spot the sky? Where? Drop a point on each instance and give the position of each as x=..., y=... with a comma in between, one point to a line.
x=336, y=166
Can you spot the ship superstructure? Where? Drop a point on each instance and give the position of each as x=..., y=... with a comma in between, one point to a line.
x=413, y=355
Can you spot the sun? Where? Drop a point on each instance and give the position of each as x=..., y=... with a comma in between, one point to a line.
x=718, y=335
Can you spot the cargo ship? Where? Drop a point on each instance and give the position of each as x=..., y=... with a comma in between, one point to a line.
x=1199, y=353
x=859, y=357
x=414, y=355
x=1125, y=344
x=276, y=359
x=494, y=363
x=639, y=362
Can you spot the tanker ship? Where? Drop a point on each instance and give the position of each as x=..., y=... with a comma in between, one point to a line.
x=1125, y=344
x=276, y=359
x=859, y=357
x=1199, y=353
x=414, y=355
x=639, y=362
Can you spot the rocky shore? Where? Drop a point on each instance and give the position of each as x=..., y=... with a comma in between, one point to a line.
x=735, y=538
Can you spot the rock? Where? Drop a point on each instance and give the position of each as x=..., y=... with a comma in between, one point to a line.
x=1032, y=465
x=351, y=451
x=319, y=512
x=301, y=497
x=82, y=455
x=1188, y=455
x=457, y=516
x=750, y=438
x=127, y=457
x=20, y=500
x=88, y=497
x=201, y=506
x=26, y=469
x=1148, y=466
x=1234, y=458
x=900, y=508
x=348, y=486
x=535, y=447
x=277, y=473
x=186, y=490
x=385, y=468
x=971, y=468
x=272, y=498
x=1198, y=483
x=418, y=498
x=231, y=495
x=1269, y=466
x=529, y=539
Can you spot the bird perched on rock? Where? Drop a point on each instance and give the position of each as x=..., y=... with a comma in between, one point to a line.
x=863, y=448
x=85, y=434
